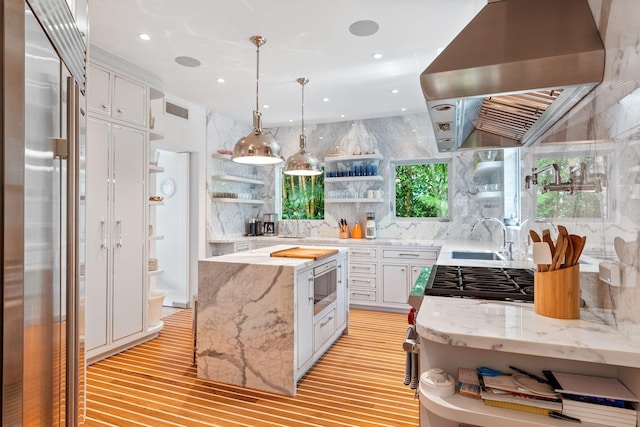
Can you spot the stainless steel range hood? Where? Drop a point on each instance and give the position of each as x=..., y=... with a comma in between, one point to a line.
x=512, y=72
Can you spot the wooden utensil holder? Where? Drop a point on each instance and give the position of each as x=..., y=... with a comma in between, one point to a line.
x=557, y=293
x=344, y=234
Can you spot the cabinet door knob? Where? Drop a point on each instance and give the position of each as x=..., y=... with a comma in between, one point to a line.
x=105, y=107
x=120, y=110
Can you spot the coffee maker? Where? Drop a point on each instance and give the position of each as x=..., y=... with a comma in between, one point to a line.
x=254, y=227
x=270, y=226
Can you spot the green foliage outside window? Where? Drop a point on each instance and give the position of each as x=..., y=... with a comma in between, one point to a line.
x=302, y=197
x=561, y=204
x=422, y=190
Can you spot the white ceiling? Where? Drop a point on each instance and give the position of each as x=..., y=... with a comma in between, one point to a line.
x=305, y=38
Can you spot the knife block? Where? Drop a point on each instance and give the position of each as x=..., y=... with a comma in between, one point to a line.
x=557, y=293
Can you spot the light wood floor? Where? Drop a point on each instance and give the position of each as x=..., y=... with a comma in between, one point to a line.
x=357, y=383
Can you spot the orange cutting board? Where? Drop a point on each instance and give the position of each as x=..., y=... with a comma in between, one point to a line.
x=310, y=253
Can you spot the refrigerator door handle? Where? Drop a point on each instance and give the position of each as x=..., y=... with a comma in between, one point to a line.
x=103, y=226
x=119, y=224
x=73, y=362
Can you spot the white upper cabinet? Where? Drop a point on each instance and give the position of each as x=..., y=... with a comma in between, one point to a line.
x=116, y=96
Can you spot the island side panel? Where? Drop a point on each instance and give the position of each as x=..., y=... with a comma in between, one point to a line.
x=246, y=325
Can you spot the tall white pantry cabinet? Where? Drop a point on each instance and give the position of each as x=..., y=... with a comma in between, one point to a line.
x=116, y=203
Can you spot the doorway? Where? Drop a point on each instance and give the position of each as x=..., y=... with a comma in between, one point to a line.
x=172, y=222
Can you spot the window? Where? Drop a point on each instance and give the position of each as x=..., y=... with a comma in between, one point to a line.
x=302, y=196
x=421, y=189
x=589, y=202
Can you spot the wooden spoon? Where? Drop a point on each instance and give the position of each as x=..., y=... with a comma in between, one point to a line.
x=535, y=237
x=578, y=246
x=561, y=248
x=546, y=237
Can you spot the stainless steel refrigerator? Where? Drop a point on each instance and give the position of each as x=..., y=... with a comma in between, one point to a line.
x=42, y=124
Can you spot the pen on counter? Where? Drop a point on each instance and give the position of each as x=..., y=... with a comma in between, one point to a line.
x=561, y=416
x=530, y=375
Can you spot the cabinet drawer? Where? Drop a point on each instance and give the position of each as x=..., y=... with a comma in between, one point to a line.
x=363, y=281
x=409, y=254
x=363, y=268
x=323, y=329
x=363, y=253
x=241, y=247
x=362, y=295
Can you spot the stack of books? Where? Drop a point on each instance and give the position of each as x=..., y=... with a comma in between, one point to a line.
x=519, y=392
x=597, y=400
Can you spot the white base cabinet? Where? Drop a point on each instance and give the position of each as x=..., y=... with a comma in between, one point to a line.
x=315, y=333
x=115, y=237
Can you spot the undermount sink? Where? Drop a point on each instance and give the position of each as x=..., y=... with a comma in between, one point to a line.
x=485, y=256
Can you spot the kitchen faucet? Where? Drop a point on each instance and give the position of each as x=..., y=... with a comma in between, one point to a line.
x=507, y=246
x=523, y=244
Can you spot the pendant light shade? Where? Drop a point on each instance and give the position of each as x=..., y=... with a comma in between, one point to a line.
x=257, y=148
x=302, y=162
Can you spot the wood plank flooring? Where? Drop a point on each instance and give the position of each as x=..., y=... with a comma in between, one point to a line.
x=357, y=383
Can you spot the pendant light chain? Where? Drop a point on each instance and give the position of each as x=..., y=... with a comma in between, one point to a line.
x=302, y=140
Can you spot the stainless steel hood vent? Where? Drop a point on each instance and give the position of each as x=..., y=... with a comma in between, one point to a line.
x=512, y=72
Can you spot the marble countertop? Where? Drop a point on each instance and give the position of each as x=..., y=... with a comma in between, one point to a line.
x=329, y=241
x=262, y=256
x=516, y=328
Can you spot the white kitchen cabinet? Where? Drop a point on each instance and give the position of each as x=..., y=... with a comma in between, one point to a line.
x=342, y=299
x=400, y=269
x=363, y=276
x=116, y=96
x=304, y=317
x=115, y=237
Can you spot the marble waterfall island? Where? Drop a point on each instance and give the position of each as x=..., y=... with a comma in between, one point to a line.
x=256, y=325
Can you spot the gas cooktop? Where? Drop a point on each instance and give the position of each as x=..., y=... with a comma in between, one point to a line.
x=505, y=284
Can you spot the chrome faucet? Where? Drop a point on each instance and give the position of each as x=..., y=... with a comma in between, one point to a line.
x=507, y=246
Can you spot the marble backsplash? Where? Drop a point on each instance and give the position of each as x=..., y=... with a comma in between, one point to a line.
x=606, y=121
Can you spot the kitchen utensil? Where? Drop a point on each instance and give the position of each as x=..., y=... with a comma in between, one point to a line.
x=559, y=255
x=542, y=255
x=546, y=237
x=568, y=255
x=578, y=245
x=621, y=249
x=535, y=237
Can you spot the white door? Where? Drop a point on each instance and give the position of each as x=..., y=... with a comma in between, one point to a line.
x=98, y=244
x=172, y=222
x=129, y=237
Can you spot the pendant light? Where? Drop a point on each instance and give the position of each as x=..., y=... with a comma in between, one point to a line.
x=257, y=148
x=302, y=162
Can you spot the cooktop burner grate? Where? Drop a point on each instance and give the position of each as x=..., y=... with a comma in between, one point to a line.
x=505, y=284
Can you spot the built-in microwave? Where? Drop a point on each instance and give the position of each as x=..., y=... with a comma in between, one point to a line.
x=325, y=280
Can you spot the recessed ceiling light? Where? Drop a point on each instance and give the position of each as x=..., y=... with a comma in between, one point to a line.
x=265, y=106
x=403, y=109
x=290, y=120
x=187, y=61
x=341, y=115
x=144, y=36
x=377, y=55
x=321, y=137
x=220, y=80
x=394, y=91
x=325, y=99
x=364, y=28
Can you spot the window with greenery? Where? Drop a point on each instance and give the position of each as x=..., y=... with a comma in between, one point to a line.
x=580, y=204
x=302, y=196
x=421, y=189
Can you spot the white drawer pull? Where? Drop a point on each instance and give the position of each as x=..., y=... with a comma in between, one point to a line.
x=409, y=254
x=324, y=322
